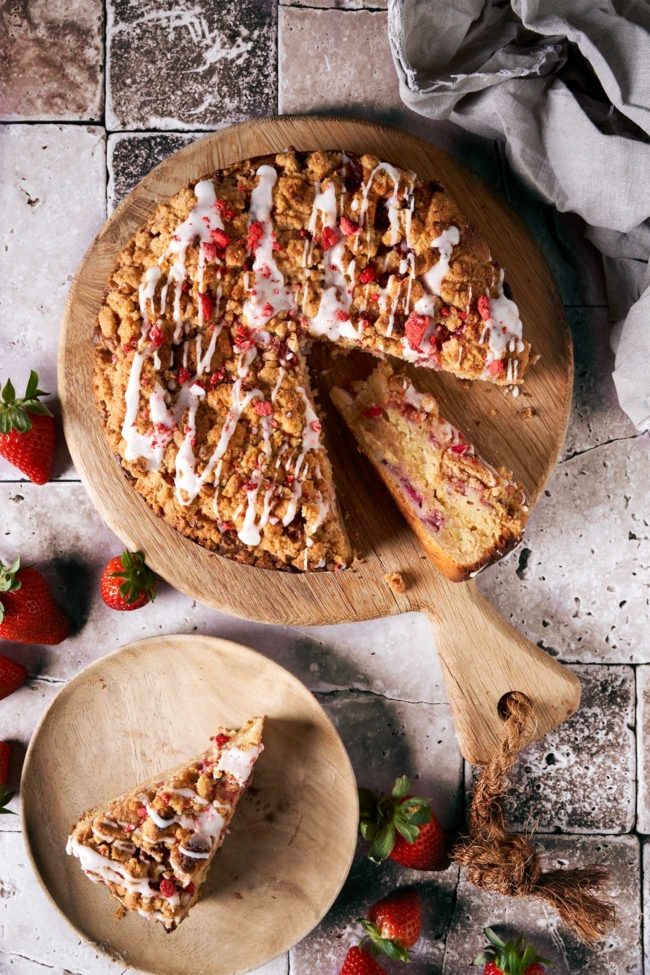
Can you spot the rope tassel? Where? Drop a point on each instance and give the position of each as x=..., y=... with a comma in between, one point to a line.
x=508, y=863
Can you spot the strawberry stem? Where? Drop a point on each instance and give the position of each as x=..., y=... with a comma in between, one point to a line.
x=138, y=578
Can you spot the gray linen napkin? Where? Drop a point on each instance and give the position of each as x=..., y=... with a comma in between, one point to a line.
x=566, y=84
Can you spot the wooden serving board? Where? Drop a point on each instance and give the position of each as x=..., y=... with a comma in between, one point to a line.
x=148, y=707
x=482, y=656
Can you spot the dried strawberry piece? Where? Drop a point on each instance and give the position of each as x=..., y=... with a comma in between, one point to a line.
x=496, y=368
x=483, y=305
x=364, y=323
x=224, y=209
x=372, y=411
x=243, y=337
x=255, y=235
x=207, y=305
x=367, y=275
x=341, y=315
x=142, y=812
x=444, y=311
x=276, y=245
x=459, y=448
x=316, y=426
x=220, y=740
x=415, y=327
x=189, y=889
x=462, y=315
x=220, y=238
x=304, y=233
x=328, y=238
x=268, y=309
x=263, y=408
x=349, y=228
x=210, y=250
x=374, y=296
x=183, y=375
x=265, y=272
x=165, y=797
x=167, y=887
x=156, y=336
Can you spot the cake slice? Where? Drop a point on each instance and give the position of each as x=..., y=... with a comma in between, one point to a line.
x=152, y=847
x=465, y=513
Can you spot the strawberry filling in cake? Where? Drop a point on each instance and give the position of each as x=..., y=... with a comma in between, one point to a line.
x=465, y=513
x=201, y=373
x=153, y=846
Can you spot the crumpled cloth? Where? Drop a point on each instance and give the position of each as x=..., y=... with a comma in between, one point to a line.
x=566, y=85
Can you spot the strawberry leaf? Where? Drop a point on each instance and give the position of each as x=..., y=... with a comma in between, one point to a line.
x=15, y=413
x=401, y=787
x=392, y=949
x=383, y=843
x=5, y=799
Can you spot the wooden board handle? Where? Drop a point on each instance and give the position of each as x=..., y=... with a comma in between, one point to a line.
x=483, y=658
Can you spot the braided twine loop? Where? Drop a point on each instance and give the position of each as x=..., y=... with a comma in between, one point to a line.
x=508, y=863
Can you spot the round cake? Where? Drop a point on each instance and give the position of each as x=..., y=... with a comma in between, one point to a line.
x=201, y=373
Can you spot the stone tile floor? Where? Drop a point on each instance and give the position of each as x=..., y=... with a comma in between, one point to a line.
x=139, y=80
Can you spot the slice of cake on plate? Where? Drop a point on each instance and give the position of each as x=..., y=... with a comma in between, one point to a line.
x=152, y=847
x=465, y=513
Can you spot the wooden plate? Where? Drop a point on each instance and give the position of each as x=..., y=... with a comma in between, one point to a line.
x=482, y=656
x=148, y=707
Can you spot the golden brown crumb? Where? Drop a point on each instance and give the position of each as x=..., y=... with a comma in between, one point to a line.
x=395, y=581
x=527, y=413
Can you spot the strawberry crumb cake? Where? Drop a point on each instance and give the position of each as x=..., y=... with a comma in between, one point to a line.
x=152, y=847
x=200, y=369
x=465, y=513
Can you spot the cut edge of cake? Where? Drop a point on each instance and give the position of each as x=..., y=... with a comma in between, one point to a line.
x=111, y=847
x=465, y=513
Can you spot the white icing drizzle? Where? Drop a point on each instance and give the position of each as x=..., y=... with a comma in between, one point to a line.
x=503, y=331
x=392, y=203
x=239, y=762
x=268, y=295
x=445, y=243
x=199, y=224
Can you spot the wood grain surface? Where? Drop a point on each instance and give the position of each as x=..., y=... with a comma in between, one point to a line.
x=150, y=706
x=483, y=657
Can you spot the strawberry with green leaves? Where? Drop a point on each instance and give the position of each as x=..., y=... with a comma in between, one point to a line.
x=5, y=795
x=394, y=923
x=402, y=827
x=28, y=611
x=27, y=431
x=127, y=583
x=501, y=957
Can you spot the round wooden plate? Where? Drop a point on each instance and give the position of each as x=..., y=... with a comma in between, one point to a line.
x=491, y=417
x=148, y=707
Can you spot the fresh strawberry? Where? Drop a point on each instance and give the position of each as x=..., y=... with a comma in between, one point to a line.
x=394, y=924
x=509, y=957
x=12, y=676
x=28, y=612
x=360, y=962
x=5, y=795
x=402, y=827
x=127, y=583
x=27, y=431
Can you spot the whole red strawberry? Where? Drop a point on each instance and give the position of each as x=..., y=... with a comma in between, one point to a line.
x=501, y=957
x=403, y=828
x=27, y=431
x=12, y=676
x=127, y=583
x=360, y=962
x=394, y=924
x=5, y=796
x=28, y=612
